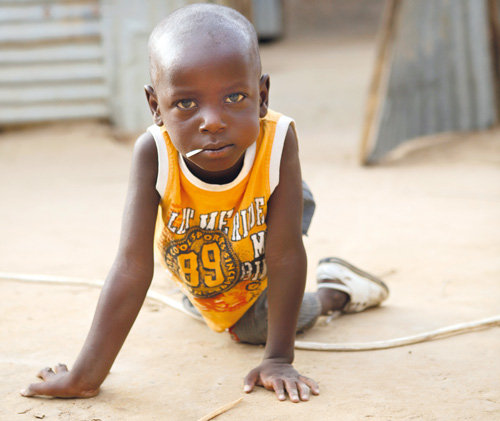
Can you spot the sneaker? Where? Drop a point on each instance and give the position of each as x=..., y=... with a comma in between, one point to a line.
x=364, y=290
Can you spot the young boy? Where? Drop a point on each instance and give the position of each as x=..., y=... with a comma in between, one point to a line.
x=223, y=171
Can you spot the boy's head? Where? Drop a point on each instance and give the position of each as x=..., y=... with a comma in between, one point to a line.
x=207, y=85
x=198, y=25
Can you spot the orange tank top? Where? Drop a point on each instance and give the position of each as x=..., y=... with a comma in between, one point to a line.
x=210, y=237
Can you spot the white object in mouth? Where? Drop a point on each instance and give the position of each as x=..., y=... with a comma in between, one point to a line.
x=194, y=152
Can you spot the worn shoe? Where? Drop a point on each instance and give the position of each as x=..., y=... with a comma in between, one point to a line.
x=364, y=290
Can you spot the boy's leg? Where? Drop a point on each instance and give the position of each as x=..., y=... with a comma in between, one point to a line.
x=341, y=287
x=252, y=327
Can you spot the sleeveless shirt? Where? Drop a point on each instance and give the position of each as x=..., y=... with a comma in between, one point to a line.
x=211, y=237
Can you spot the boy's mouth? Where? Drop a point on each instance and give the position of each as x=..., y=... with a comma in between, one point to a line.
x=220, y=148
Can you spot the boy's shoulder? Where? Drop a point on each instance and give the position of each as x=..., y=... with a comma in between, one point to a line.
x=145, y=139
x=145, y=152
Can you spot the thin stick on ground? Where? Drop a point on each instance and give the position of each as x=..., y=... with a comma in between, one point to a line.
x=222, y=409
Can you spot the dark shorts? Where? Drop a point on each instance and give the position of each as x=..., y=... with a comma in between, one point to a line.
x=252, y=327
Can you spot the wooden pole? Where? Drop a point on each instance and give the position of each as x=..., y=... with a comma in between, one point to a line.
x=386, y=35
x=494, y=30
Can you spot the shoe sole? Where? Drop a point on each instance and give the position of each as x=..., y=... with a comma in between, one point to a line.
x=356, y=271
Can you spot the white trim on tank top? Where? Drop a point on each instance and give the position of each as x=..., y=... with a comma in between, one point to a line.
x=274, y=167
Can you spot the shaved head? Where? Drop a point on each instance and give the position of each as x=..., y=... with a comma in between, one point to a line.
x=189, y=29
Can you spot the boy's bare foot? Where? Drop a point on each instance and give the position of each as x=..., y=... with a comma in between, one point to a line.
x=344, y=287
x=331, y=299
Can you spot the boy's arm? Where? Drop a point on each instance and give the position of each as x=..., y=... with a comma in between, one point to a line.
x=286, y=264
x=124, y=290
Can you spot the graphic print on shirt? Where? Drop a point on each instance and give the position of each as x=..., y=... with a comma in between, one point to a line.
x=207, y=264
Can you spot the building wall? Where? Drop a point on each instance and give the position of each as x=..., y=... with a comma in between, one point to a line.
x=352, y=17
x=52, y=61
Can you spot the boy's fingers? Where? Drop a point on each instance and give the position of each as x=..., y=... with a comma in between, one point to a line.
x=304, y=391
x=279, y=389
x=250, y=380
x=46, y=387
x=291, y=388
x=45, y=373
x=60, y=368
x=51, y=389
x=35, y=389
x=27, y=392
x=311, y=383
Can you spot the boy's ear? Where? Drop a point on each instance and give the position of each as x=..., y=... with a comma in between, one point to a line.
x=153, y=104
x=264, y=95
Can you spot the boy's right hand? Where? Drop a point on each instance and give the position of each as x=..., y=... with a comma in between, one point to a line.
x=58, y=383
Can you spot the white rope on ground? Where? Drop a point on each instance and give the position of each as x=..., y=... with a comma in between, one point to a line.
x=311, y=346
x=407, y=340
x=48, y=279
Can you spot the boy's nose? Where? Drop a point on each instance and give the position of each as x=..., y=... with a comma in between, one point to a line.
x=212, y=121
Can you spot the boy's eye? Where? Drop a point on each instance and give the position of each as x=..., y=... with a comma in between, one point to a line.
x=186, y=104
x=233, y=98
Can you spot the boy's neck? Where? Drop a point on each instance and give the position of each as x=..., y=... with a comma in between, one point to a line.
x=216, y=177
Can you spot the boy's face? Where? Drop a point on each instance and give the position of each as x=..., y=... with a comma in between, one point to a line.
x=210, y=97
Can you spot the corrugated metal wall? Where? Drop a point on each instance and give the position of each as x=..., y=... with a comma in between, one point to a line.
x=52, y=63
x=440, y=77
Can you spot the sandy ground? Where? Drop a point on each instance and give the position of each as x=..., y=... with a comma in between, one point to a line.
x=428, y=223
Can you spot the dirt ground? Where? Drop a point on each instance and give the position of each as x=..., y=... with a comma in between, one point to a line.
x=427, y=222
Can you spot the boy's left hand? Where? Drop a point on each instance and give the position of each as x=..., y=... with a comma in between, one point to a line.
x=279, y=376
